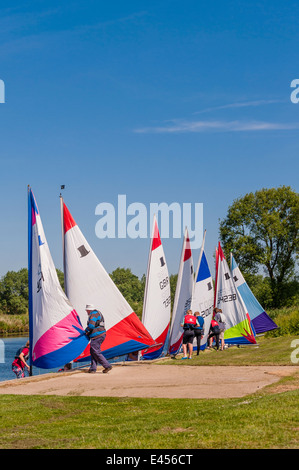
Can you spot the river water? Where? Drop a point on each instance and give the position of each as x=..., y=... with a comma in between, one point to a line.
x=8, y=349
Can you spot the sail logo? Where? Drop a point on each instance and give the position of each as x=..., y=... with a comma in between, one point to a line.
x=134, y=220
x=295, y=94
x=2, y=92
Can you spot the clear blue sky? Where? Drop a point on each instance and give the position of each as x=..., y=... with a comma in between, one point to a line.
x=161, y=101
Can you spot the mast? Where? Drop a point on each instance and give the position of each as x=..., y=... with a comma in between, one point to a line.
x=30, y=277
x=62, y=234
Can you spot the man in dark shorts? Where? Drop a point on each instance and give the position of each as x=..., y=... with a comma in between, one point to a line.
x=188, y=325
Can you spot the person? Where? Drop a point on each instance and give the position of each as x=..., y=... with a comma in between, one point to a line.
x=19, y=364
x=214, y=332
x=188, y=324
x=198, y=330
x=97, y=333
x=220, y=319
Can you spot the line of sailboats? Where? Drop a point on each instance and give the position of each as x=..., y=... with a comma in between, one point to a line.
x=57, y=318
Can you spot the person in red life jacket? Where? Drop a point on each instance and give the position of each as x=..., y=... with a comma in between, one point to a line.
x=214, y=332
x=188, y=325
x=19, y=364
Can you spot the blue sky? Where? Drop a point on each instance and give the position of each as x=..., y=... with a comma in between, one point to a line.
x=160, y=101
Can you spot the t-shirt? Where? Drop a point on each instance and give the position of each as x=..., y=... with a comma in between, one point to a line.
x=219, y=317
x=17, y=362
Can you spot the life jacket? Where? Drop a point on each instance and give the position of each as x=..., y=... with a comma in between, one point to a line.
x=19, y=352
x=189, y=322
x=215, y=326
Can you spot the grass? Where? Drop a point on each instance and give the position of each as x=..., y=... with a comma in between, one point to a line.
x=274, y=351
x=263, y=420
x=268, y=419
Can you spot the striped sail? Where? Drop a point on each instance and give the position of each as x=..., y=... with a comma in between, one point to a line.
x=87, y=282
x=238, y=324
x=56, y=333
x=157, y=300
x=259, y=318
x=183, y=295
x=203, y=294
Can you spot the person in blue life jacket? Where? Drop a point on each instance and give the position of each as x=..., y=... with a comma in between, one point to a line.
x=188, y=324
x=199, y=330
x=96, y=332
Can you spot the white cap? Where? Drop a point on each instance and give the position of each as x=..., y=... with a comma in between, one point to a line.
x=89, y=307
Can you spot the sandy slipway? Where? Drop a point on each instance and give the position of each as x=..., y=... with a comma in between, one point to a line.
x=150, y=380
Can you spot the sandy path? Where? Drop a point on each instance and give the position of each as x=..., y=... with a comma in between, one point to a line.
x=153, y=381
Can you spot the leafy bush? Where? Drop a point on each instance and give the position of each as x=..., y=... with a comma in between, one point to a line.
x=287, y=320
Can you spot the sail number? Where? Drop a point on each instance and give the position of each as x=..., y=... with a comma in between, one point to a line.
x=164, y=283
x=167, y=301
x=227, y=298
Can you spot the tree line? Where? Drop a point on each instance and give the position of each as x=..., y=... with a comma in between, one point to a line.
x=262, y=230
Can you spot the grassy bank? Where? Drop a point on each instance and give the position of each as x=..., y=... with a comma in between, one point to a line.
x=267, y=351
x=14, y=324
x=260, y=421
x=267, y=419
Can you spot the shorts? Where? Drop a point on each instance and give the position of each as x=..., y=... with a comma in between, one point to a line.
x=188, y=337
x=20, y=373
x=221, y=335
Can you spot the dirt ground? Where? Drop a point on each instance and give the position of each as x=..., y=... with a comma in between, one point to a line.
x=150, y=380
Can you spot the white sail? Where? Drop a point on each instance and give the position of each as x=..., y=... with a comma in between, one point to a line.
x=56, y=334
x=87, y=282
x=157, y=299
x=203, y=293
x=183, y=296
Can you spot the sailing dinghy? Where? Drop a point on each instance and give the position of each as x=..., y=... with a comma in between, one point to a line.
x=55, y=331
x=238, y=324
x=203, y=294
x=259, y=318
x=157, y=300
x=183, y=295
x=87, y=282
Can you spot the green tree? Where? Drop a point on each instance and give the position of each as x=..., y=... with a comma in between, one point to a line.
x=262, y=230
x=14, y=292
x=131, y=287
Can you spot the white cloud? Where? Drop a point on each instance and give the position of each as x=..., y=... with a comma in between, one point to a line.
x=218, y=126
x=242, y=104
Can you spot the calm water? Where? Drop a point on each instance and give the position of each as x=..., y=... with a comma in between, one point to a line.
x=8, y=349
